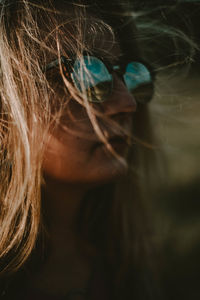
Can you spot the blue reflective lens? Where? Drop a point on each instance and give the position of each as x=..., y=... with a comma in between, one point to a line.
x=136, y=74
x=91, y=76
x=88, y=72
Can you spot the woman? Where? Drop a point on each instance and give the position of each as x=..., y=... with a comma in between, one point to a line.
x=74, y=139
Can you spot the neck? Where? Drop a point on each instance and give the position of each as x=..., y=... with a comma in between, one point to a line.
x=69, y=255
x=62, y=201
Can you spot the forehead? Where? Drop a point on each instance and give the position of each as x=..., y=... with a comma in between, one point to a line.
x=103, y=41
x=89, y=32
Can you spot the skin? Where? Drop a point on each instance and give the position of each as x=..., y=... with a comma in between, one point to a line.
x=70, y=170
x=75, y=157
x=74, y=163
x=80, y=160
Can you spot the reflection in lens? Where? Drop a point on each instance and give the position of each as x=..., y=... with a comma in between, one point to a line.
x=100, y=92
x=91, y=76
x=144, y=93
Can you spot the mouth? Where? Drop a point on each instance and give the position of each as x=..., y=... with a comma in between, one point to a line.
x=118, y=140
x=118, y=143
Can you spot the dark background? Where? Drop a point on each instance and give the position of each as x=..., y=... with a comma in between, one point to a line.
x=176, y=121
x=183, y=15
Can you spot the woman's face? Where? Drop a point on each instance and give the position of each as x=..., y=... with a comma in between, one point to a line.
x=73, y=151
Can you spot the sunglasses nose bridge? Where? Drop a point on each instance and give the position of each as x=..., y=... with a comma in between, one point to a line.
x=120, y=100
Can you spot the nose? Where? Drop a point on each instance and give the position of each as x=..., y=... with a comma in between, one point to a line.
x=120, y=100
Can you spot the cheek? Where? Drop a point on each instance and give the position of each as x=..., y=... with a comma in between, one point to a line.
x=64, y=159
x=70, y=154
x=75, y=162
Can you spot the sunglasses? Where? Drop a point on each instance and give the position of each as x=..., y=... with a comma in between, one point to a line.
x=92, y=76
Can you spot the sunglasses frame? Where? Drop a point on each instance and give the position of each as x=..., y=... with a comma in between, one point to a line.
x=119, y=69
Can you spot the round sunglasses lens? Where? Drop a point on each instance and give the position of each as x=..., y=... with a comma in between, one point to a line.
x=137, y=78
x=91, y=77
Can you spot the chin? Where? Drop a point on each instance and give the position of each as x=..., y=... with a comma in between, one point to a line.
x=111, y=171
x=98, y=168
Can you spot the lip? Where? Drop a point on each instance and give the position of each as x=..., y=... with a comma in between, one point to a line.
x=115, y=142
x=118, y=140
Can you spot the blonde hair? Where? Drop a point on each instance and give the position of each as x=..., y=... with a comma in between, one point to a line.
x=26, y=116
